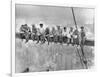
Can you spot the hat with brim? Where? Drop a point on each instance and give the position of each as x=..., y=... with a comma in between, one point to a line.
x=41, y=24
x=82, y=27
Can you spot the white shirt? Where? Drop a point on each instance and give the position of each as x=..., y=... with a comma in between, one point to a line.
x=64, y=33
x=40, y=31
x=70, y=34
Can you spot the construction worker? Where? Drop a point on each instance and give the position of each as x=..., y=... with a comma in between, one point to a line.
x=47, y=34
x=75, y=37
x=24, y=28
x=82, y=41
x=59, y=34
x=34, y=32
x=26, y=31
x=64, y=33
x=82, y=35
x=41, y=33
x=71, y=35
x=53, y=34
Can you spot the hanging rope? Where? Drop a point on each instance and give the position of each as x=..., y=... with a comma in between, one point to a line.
x=82, y=57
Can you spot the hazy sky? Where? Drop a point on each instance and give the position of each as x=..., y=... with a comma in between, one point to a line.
x=54, y=15
x=51, y=15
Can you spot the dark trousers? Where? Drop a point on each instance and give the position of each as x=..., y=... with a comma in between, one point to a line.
x=65, y=39
x=60, y=38
x=55, y=38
